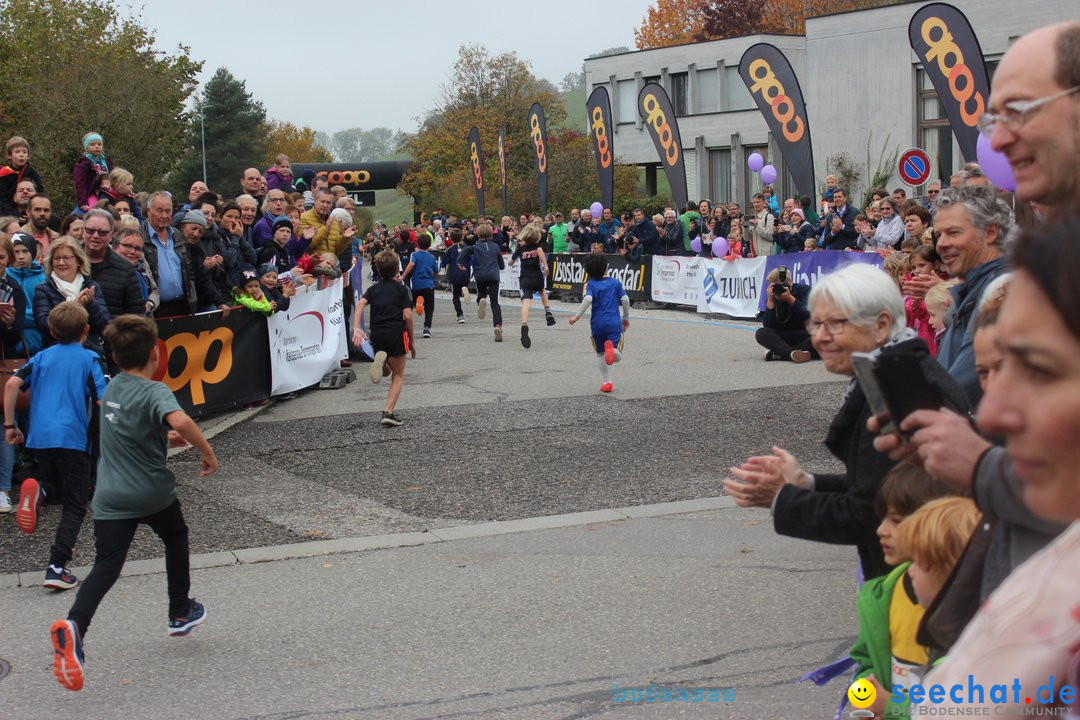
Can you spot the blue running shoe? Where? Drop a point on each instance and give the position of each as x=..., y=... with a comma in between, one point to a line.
x=62, y=580
x=195, y=615
x=68, y=658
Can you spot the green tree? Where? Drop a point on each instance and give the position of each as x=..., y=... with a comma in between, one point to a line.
x=299, y=144
x=236, y=135
x=68, y=67
x=360, y=145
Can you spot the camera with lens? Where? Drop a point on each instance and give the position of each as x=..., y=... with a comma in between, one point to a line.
x=780, y=286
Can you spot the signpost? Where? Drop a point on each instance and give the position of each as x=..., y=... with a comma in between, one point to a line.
x=914, y=167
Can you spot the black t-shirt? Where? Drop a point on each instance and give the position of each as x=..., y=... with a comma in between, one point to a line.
x=530, y=260
x=388, y=299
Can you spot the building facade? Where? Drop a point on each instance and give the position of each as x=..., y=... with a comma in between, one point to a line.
x=865, y=91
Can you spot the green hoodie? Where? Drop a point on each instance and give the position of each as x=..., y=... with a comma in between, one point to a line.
x=873, y=647
x=557, y=232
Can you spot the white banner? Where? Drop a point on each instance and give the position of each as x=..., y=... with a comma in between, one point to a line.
x=510, y=277
x=307, y=340
x=731, y=287
x=676, y=280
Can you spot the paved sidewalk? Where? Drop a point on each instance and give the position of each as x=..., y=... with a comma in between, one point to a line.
x=538, y=624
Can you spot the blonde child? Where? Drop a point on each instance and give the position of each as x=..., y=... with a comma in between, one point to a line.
x=889, y=612
x=938, y=303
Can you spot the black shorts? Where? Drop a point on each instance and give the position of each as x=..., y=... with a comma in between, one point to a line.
x=530, y=286
x=393, y=343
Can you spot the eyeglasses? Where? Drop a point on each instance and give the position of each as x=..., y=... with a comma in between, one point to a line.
x=1015, y=113
x=132, y=248
x=63, y=258
x=94, y=231
x=932, y=192
x=832, y=327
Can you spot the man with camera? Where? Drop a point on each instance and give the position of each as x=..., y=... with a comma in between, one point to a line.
x=783, y=332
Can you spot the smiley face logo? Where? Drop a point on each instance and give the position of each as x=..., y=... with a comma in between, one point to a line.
x=862, y=693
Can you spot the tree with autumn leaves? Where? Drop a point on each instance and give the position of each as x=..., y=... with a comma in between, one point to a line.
x=674, y=22
x=489, y=92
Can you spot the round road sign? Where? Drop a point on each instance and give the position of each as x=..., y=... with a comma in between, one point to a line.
x=914, y=167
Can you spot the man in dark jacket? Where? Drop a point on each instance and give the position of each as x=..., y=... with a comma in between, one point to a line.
x=645, y=231
x=672, y=241
x=119, y=285
x=841, y=233
x=783, y=333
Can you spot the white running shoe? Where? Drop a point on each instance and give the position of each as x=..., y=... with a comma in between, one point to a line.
x=481, y=308
x=5, y=502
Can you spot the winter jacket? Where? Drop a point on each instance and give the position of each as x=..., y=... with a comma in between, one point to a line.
x=277, y=255
x=10, y=178
x=648, y=237
x=108, y=195
x=840, y=507
x=257, y=306
x=671, y=241
x=328, y=238
x=956, y=351
x=277, y=180
x=47, y=296
x=263, y=231
x=607, y=231
x=793, y=242
x=275, y=295
x=873, y=646
x=87, y=179
x=119, y=285
x=486, y=260
x=28, y=279
x=10, y=336
x=455, y=274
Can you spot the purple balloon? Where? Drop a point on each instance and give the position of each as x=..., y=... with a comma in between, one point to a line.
x=994, y=164
x=719, y=247
x=755, y=162
x=596, y=209
x=768, y=174
x=695, y=244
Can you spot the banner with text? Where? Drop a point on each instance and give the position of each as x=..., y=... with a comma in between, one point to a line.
x=676, y=280
x=566, y=274
x=538, y=132
x=211, y=363
x=476, y=166
x=809, y=267
x=307, y=340
x=731, y=287
x=656, y=112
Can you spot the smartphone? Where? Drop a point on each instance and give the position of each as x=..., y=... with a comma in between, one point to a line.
x=863, y=365
x=894, y=385
x=5, y=294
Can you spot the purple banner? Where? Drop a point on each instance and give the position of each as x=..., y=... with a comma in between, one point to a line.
x=809, y=267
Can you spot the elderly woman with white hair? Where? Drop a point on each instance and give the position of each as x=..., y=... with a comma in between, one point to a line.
x=854, y=309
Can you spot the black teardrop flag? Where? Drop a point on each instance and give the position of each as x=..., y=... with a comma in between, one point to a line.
x=770, y=79
x=538, y=131
x=655, y=110
x=599, y=110
x=476, y=164
x=951, y=55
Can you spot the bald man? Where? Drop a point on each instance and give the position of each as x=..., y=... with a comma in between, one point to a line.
x=1043, y=144
x=254, y=184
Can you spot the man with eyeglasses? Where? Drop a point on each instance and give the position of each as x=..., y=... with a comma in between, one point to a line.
x=119, y=286
x=273, y=207
x=932, y=192
x=129, y=245
x=1033, y=115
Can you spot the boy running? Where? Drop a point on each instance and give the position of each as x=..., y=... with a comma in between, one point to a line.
x=391, y=329
x=605, y=295
x=139, y=418
x=487, y=261
x=421, y=274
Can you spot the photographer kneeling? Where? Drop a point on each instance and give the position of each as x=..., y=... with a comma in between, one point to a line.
x=784, y=332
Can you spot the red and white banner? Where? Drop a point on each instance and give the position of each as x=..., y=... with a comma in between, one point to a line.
x=308, y=340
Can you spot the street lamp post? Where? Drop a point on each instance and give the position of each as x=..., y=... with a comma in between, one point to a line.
x=202, y=128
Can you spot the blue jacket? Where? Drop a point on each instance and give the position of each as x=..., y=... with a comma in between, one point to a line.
x=455, y=274
x=607, y=233
x=956, y=351
x=486, y=258
x=28, y=279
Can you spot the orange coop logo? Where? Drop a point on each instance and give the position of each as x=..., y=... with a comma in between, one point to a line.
x=538, y=141
x=195, y=350
x=600, y=131
x=783, y=109
x=950, y=61
x=654, y=116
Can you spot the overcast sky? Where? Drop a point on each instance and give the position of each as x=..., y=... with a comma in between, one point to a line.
x=379, y=64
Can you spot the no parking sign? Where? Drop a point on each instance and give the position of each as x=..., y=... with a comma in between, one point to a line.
x=914, y=167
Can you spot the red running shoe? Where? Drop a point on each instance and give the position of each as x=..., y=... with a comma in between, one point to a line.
x=609, y=353
x=30, y=497
x=607, y=387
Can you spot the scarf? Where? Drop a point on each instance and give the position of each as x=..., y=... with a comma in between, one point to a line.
x=98, y=163
x=70, y=290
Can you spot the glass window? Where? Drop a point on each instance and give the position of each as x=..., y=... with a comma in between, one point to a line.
x=737, y=96
x=627, y=101
x=679, y=99
x=706, y=90
x=720, y=174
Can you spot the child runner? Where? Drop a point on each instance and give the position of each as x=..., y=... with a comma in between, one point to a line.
x=605, y=295
x=487, y=261
x=140, y=417
x=65, y=378
x=533, y=272
x=421, y=274
x=459, y=279
x=391, y=329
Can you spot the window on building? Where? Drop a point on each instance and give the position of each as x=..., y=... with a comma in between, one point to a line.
x=627, y=101
x=651, y=79
x=679, y=96
x=706, y=90
x=736, y=95
x=934, y=131
x=720, y=174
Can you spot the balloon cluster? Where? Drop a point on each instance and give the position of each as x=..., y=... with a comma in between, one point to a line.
x=756, y=163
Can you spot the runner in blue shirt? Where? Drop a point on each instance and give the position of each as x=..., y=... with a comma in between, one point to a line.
x=606, y=296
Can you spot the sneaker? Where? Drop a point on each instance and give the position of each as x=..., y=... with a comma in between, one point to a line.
x=375, y=372
x=5, y=502
x=609, y=352
x=30, y=497
x=68, y=658
x=62, y=580
x=481, y=308
x=466, y=294
x=525, y=341
x=460, y=319
x=550, y=317
x=801, y=356
x=195, y=615
x=390, y=419
x=498, y=333
x=420, y=305
x=427, y=331
x=607, y=387
x=770, y=356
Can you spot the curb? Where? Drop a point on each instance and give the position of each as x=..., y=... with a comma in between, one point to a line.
x=317, y=548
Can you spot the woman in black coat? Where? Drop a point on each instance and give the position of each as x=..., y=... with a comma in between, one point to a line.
x=854, y=309
x=67, y=271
